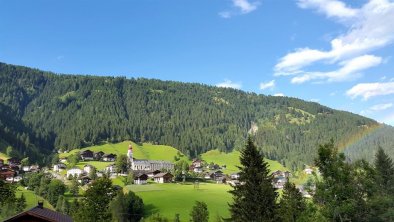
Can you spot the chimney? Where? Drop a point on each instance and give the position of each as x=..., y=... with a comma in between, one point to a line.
x=40, y=204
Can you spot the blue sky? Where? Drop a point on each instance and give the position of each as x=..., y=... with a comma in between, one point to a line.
x=337, y=53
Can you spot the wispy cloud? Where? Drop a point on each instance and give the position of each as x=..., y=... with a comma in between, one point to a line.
x=240, y=7
x=349, y=70
x=279, y=94
x=267, y=85
x=229, y=84
x=332, y=8
x=380, y=107
x=368, y=90
x=367, y=30
x=376, y=108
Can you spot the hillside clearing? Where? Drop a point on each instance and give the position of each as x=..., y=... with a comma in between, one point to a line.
x=143, y=151
x=32, y=199
x=231, y=160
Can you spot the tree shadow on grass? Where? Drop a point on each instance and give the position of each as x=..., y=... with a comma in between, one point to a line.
x=150, y=209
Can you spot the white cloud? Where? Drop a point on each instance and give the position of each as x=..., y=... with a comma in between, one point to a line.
x=240, y=7
x=368, y=90
x=332, y=8
x=315, y=100
x=267, y=85
x=349, y=70
x=380, y=107
x=367, y=30
x=279, y=94
x=245, y=6
x=229, y=84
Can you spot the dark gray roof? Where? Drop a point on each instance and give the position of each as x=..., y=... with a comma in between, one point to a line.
x=42, y=213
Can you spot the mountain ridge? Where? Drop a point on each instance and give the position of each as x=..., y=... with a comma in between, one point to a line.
x=63, y=112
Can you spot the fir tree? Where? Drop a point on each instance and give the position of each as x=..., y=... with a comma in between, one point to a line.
x=384, y=171
x=292, y=203
x=255, y=197
x=199, y=212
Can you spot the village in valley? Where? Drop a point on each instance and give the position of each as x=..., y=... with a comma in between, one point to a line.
x=142, y=171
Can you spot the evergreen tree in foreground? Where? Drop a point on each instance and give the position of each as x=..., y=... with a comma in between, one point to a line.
x=255, y=197
x=292, y=204
x=199, y=212
x=385, y=171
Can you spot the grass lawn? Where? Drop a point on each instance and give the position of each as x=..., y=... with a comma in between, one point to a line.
x=98, y=164
x=231, y=160
x=32, y=199
x=144, y=151
x=120, y=181
x=170, y=199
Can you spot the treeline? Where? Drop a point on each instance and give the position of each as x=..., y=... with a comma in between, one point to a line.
x=342, y=191
x=45, y=112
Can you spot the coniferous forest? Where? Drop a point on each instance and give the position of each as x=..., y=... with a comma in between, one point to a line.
x=41, y=112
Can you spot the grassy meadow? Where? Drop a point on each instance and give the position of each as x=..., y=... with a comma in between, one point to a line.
x=143, y=151
x=231, y=160
x=98, y=164
x=31, y=198
x=170, y=199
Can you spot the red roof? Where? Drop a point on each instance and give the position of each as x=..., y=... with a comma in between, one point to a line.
x=42, y=214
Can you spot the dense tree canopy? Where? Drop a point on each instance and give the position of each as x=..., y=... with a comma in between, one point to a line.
x=42, y=111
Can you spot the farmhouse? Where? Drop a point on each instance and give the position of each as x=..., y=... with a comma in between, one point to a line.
x=153, y=173
x=39, y=213
x=109, y=157
x=163, y=178
x=140, y=178
x=84, y=180
x=14, y=162
x=98, y=155
x=110, y=168
x=59, y=167
x=88, y=168
x=87, y=155
x=4, y=174
x=76, y=172
x=234, y=176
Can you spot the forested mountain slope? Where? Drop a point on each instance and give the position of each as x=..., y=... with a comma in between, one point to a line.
x=42, y=111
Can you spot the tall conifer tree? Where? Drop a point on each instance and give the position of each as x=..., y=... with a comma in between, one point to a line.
x=255, y=197
x=385, y=171
x=292, y=203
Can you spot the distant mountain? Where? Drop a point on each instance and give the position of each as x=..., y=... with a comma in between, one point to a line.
x=42, y=111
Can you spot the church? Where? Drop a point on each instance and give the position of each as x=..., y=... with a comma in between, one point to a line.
x=147, y=165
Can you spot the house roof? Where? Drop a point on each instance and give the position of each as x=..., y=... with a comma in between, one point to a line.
x=41, y=213
x=162, y=175
x=141, y=176
x=109, y=155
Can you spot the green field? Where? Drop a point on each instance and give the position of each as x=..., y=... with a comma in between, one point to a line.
x=170, y=199
x=32, y=199
x=144, y=151
x=231, y=160
x=98, y=164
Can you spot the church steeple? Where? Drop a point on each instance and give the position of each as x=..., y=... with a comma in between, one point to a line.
x=130, y=153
